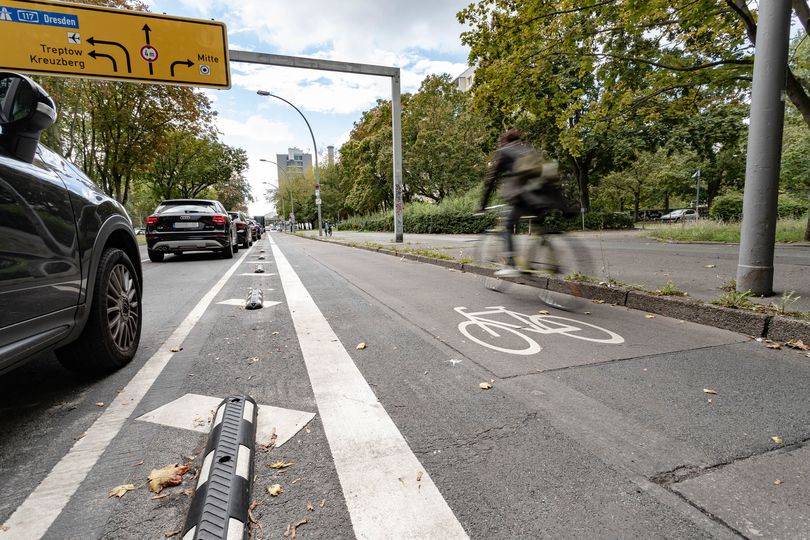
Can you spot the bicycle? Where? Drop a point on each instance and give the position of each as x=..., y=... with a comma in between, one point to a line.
x=537, y=255
x=538, y=324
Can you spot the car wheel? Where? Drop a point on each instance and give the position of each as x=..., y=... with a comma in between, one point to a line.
x=112, y=332
x=245, y=244
x=236, y=246
x=155, y=256
x=227, y=252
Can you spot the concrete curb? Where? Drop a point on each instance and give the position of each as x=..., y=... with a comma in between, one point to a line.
x=750, y=323
x=221, y=501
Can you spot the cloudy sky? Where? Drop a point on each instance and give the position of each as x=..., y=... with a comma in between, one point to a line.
x=419, y=36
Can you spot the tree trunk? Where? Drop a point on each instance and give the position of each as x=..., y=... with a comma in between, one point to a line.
x=807, y=230
x=636, y=203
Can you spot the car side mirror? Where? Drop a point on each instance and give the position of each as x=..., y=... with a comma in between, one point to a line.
x=26, y=110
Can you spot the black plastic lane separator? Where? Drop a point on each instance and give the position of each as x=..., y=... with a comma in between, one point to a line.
x=221, y=501
x=255, y=299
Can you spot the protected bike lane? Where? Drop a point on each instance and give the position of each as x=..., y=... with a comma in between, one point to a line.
x=622, y=423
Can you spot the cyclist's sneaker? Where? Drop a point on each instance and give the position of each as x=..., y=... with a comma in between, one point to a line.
x=508, y=272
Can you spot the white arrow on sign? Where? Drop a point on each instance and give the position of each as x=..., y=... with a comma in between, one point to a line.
x=195, y=413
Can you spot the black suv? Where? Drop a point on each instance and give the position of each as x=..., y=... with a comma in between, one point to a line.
x=181, y=225
x=70, y=271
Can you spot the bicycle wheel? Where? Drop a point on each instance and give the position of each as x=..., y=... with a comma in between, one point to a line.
x=576, y=329
x=487, y=252
x=566, y=261
x=498, y=338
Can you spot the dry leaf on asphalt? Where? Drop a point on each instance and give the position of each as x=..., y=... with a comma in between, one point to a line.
x=294, y=527
x=100, y=404
x=138, y=464
x=709, y=391
x=253, y=359
x=177, y=349
x=710, y=266
x=163, y=496
x=275, y=490
x=189, y=492
x=280, y=465
x=586, y=312
x=598, y=301
x=485, y=386
x=798, y=344
x=774, y=345
x=649, y=316
x=323, y=503
x=777, y=439
x=309, y=506
x=419, y=476
x=172, y=533
x=119, y=491
x=778, y=482
x=275, y=333
x=361, y=346
x=170, y=475
x=543, y=312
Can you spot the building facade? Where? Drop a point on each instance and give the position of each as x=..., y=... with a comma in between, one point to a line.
x=295, y=161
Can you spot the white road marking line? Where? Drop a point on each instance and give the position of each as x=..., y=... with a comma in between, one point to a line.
x=377, y=469
x=40, y=509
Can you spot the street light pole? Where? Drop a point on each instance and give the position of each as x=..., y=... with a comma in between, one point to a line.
x=315, y=146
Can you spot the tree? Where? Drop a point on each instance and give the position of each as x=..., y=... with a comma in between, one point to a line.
x=444, y=141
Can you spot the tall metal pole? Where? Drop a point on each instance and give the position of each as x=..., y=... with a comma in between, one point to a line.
x=697, y=197
x=396, y=113
x=758, y=234
x=315, y=146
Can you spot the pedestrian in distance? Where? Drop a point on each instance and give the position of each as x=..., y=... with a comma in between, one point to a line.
x=529, y=186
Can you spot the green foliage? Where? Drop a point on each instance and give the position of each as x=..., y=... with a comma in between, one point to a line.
x=735, y=300
x=727, y=207
x=787, y=230
x=670, y=290
x=791, y=206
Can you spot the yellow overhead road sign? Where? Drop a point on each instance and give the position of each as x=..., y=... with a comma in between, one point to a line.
x=89, y=41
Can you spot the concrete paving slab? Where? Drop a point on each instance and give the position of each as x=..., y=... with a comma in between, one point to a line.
x=767, y=496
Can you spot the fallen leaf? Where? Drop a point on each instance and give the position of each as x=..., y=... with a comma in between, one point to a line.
x=119, y=491
x=100, y=404
x=275, y=490
x=323, y=503
x=649, y=316
x=173, y=533
x=253, y=359
x=798, y=344
x=170, y=475
x=309, y=506
x=709, y=400
x=485, y=386
x=156, y=497
x=710, y=266
x=361, y=346
x=275, y=333
x=419, y=476
x=287, y=532
x=543, y=312
x=177, y=349
x=188, y=492
x=586, y=312
x=778, y=482
x=280, y=465
x=777, y=439
x=807, y=355
x=294, y=527
x=709, y=391
x=598, y=301
x=774, y=345
x=138, y=464
x=3, y=528
x=296, y=480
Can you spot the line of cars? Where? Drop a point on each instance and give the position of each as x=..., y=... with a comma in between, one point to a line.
x=71, y=280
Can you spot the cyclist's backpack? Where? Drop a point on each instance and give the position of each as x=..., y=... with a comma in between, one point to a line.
x=533, y=172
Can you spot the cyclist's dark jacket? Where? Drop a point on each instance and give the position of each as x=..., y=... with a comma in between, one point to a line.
x=502, y=164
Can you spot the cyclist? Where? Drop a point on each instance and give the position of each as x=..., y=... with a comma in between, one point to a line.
x=526, y=188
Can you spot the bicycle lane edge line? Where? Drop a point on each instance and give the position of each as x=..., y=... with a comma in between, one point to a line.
x=375, y=465
x=32, y=519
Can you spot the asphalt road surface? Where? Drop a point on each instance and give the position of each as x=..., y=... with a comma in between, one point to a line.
x=597, y=423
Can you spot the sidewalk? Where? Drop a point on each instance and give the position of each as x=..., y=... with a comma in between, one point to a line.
x=629, y=258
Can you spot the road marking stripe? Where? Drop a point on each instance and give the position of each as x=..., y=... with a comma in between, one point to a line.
x=377, y=470
x=40, y=509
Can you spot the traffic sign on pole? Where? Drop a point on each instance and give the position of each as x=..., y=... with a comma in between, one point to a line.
x=98, y=42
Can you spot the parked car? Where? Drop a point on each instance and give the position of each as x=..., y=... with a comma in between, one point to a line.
x=182, y=225
x=255, y=233
x=242, y=228
x=70, y=271
x=679, y=215
x=649, y=215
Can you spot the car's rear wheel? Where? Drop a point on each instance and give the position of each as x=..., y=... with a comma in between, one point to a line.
x=227, y=252
x=155, y=256
x=112, y=332
x=246, y=243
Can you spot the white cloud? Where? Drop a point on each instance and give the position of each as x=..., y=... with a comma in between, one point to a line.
x=255, y=130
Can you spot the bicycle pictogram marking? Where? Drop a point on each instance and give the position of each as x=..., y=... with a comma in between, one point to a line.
x=494, y=329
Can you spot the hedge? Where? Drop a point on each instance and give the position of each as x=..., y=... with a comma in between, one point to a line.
x=729, y=207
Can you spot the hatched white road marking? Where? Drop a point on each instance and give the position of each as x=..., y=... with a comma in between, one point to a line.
x=40, y=509
x=262, y=274
x=195, y=412
x=377, y=469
